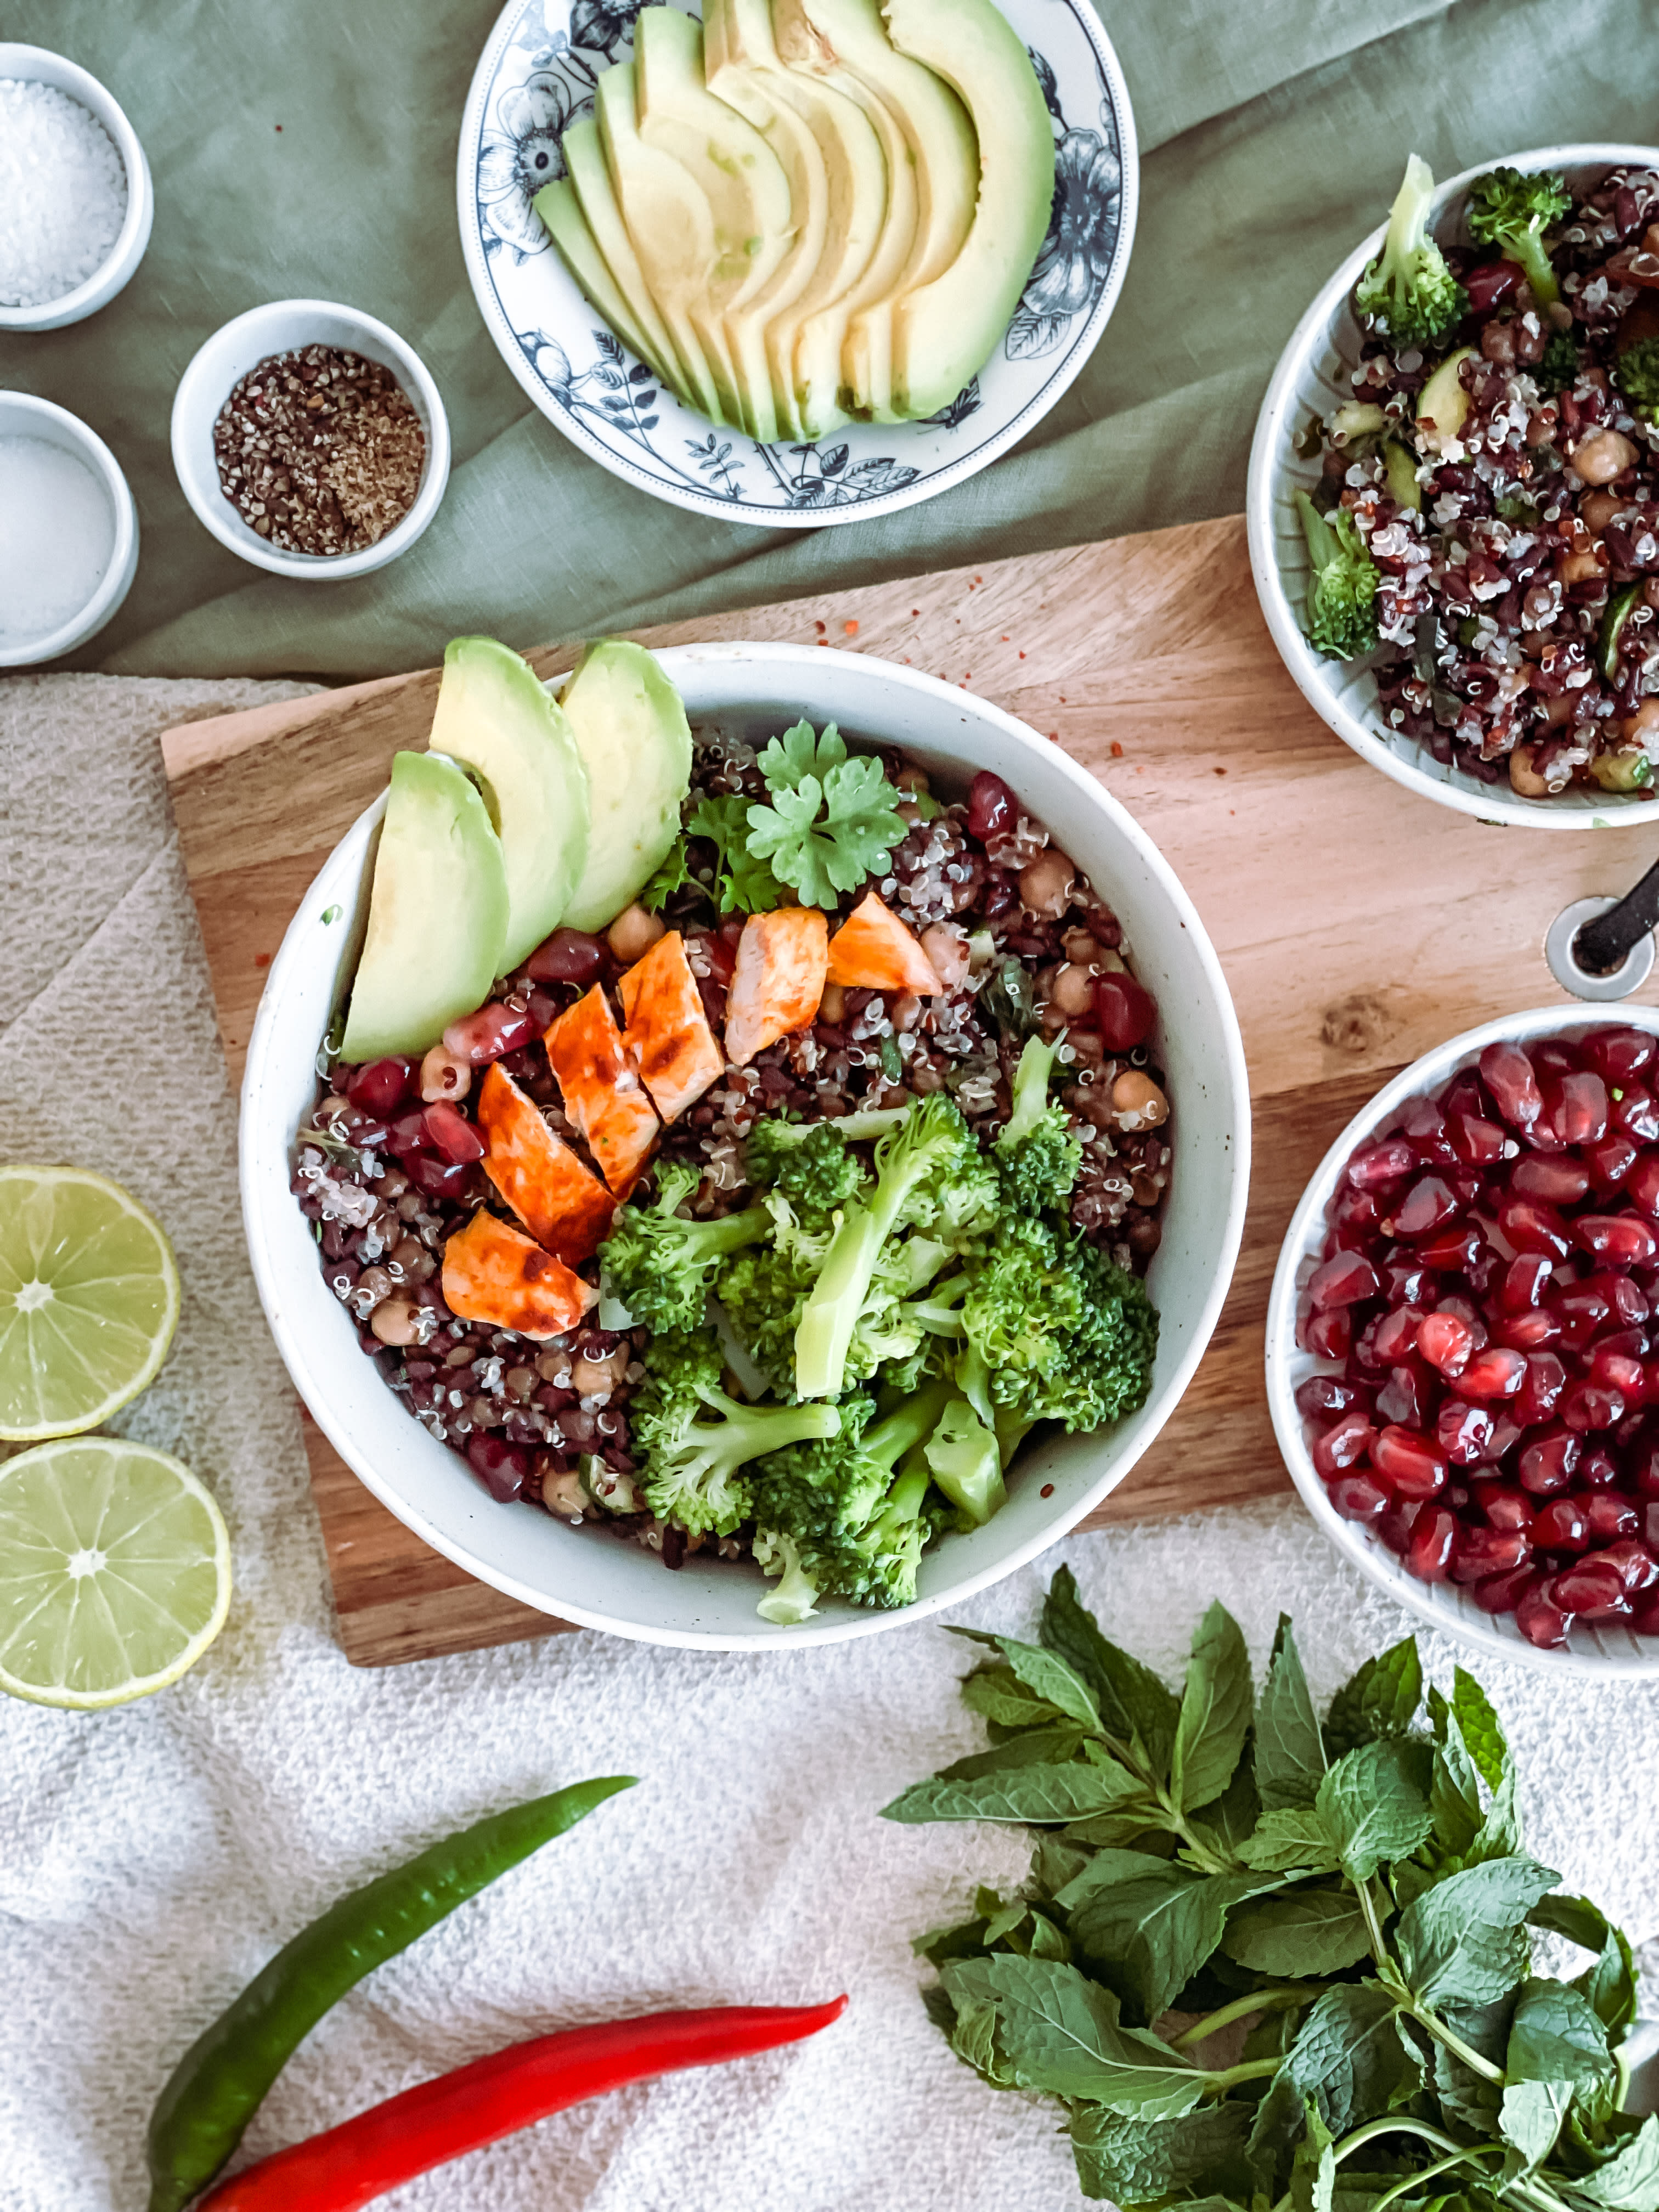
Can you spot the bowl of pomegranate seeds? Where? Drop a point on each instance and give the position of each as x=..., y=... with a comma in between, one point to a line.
x=1463, y=1339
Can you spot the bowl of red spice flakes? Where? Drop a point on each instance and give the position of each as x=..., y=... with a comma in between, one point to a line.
x=1463, y=1339
x=311, y=440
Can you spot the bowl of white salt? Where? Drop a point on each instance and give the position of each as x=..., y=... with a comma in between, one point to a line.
x=76, y=201
x=69, y=531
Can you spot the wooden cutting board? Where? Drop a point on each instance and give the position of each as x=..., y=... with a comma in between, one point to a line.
x=1357, y=924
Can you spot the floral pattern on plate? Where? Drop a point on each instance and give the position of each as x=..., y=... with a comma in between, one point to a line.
x=538, y=75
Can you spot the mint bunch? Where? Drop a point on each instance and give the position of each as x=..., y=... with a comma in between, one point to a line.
x=1273, y=1964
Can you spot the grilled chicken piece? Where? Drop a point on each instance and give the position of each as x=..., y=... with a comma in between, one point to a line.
x=777, y=987
x=668, y=1034
x=495, y=1274
x=559, y=1202
x=873, y=950
x=602, y=1091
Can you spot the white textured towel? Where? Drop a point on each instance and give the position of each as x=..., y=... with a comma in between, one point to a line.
x=152, y=1858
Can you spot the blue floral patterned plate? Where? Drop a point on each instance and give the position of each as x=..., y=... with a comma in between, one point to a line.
x=537, y=75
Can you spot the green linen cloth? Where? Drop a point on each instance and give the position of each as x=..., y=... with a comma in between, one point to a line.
x=308, y=150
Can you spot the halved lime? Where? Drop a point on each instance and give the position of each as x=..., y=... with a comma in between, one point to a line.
x=114, y=1571
x=88, y=1300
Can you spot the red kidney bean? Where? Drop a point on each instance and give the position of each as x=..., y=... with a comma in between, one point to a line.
x=992, y=809
x=569, y=956
x=1125, y=1011
x=381, y=1086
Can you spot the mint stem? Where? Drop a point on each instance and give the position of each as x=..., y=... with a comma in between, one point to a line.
x=1258, y=2001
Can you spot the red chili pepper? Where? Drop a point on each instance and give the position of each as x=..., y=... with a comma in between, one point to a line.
x=493, y=2097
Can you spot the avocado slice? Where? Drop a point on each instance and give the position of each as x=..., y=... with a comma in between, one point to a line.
x=748, y=197
x=946, y=329
x=561, y=209
x=630, y=729
x=940, y=145
x=496, y=717
x=437, y=913
x=803, y=339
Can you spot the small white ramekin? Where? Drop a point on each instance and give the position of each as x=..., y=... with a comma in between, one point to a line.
x=23, y=415
x=282, y=326
x=38, y=66
x=1605, y=1650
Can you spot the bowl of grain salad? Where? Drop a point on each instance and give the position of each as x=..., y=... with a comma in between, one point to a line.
x=1453, y=491
x=384, y=1198
x=311, y=440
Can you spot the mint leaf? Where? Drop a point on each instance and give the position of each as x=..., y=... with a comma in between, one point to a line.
x=1530, y=2119
x=1467, y=2100
x=1462, y=1943
x=1000, y=1696
x=833, y=819
x=1030, y=1793
x=1313, y=2169
x=1152, y=1931
x=742, y=884
x=1226, y=1821
x=1371, y=1808
x=1480, y=1729
x=1303, y=1933
x=1047, y=1675
x=1289, y=1750
x=1138, y=2161
x=1629, y=2183
x=1609, y=1985
x=1133, y=1704
x=1380, y=1700
x=1555, y=2036
x=1031, y=1746
x=1059, y=2031
x=1350, y=2057
x=1215, y=1711
x=1293, y=1838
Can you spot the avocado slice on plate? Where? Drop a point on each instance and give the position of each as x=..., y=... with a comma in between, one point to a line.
x=561, y=209
x=946, y=327
x=437, y=913
x=630, y=728
x=496, y=717
x=590, y=178
x=748, y=197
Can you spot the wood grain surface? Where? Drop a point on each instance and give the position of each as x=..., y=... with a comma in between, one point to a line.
x=1358, y=924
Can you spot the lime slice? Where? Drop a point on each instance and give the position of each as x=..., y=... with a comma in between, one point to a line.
x=114, y=1572
x=89, y=1301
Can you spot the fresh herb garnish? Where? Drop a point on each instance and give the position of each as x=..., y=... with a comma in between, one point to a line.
x=671, y=875
x=1352, y=1895
x=743, y=885
x=833, y=820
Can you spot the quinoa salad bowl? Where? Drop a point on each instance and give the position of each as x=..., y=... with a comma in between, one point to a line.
x=1471, y=599
x=882, y=1182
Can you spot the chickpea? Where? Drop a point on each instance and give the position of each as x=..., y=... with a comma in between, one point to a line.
x=1524, y=779
x=1073, y=990
x=444, y=1074
x=393, y=1321
x=1080, y=947
x=914, y=780
x=1045, y=885
x=633, y=933
x=947, y=953
x=594, y=1378
x=1602, y=456
x=1580, y=567
x=1136, y=1102
x=1597, y=508
x=564, y=1493
x=832, y=1006
x=904, y=1012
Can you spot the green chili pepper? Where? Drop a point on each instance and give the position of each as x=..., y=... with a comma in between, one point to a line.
x=1619, y=604
x=220, y=2082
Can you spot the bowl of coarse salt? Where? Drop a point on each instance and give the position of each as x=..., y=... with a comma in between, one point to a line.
x=69, y=531
x=75, y=198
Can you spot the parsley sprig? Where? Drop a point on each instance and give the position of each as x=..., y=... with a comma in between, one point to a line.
x=833, y=819
x=1353, y=1891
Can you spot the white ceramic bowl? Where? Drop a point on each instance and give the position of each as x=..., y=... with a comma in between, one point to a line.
x=1604, y=1649
x=1312, y=378
x=536, y=75
x=282, y=326
x=38, y=66
x=23, y=415
x=584, y=1574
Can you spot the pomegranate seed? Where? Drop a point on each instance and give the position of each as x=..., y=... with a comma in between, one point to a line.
x=1329, y=1335
x=1404, y=1282
x=1609, y=1517
x=1597, y=1470
x=452, y=1133
x=992, y=810
x=1125, y=1011
x=1475, y=1140
x=1561, y=1526
x=1393, y=1528
x=1495, y=1373
x=502, y=1468
x=1504, y=1593
x=1619, y=1053
x=1616, y=1371
x=1396, y=1333
x=1504, y=1506
x=1577, y=1108
x=569, y=956
x=1636, y=1563
x=1385, y=1163
x=437, y=1178
x=1446, y=1342
x=381, y=1086
x=1363, y=1361
x=1355, y=1209
x=1508, y=1075
x=492, y=1031
x=1540, y=1621
x=1638, y=1116
x=1529, y=1332
x=1645, y=1613
x=1478, y=1553
x=1343, y=1445
x=1429, y=1203
x=1357, y=1497
x=1541, y=1391
x=1634, y=1343
x=1505, y=1435
x=1620, y=1238
x=1586, y=1406
x=1433, y=1539
x=1610, y=1160
x=1559, y=1181
x=1623, y=1297
x=1531, y=1227
x=1463, y=1431
x=1453, y=1250
x=1405, y=1397
x=1524, y=1282
x=1581, y=1311
x=1327, y=1394
x=1592, y=1588
x=1409, y=1462
x=1642, y=1183
x=1343, y=1281
x=407, y=1134
x=1644, y=1474
x=1548, y=1462
x=1422, y=1123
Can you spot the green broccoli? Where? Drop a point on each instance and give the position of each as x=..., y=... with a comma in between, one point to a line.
x=793, y=1597
x=1408, y=291
x=1064, y=1334
x=813, y=1169
x=761, y=1293
x=1636, y=372
x=1513, y=212
x=691, y=1464
x=964, y=1459
x=1036, y=1152
x=1022, y=1304
x=661, y=1267
x=1559, y=366
x=1341, y=610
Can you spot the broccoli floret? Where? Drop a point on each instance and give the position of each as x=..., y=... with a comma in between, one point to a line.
x=795, y=1597
x=761, y=1293
x=813, y=1169
x=1036, y=1152
x=1559, y=366
x=930, y=1174
x=1513, y=212
x=1341, y=610
x=692, y=1464
x=963, y=1459
x=1023, y=1304
x=661, y=1267
x=1408, y=291
x=1637, y=374
x=1063, y=1334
